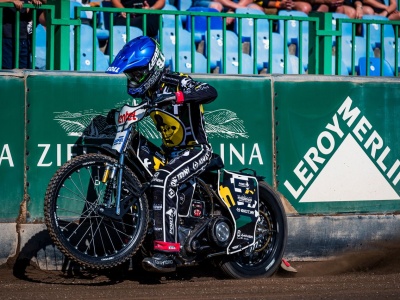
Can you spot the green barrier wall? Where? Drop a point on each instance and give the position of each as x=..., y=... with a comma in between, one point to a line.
x=62, y=106
x=329, y=146
x=12, y=115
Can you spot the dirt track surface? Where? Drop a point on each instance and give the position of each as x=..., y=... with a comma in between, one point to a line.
x=373, y=274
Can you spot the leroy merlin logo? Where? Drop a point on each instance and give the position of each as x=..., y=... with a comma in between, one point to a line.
x=350, y=161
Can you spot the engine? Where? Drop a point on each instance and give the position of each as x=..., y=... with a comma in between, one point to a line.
x=206, y=235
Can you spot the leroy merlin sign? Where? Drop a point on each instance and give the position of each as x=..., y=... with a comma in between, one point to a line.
x=352, y=163
x=346, y=161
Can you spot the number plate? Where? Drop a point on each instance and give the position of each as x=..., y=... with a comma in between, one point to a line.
x=120, y=140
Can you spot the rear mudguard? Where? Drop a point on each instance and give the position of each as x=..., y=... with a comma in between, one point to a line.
x=240, y=196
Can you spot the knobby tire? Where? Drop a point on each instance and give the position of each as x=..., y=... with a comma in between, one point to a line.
x=271, y=238
x=71, y=209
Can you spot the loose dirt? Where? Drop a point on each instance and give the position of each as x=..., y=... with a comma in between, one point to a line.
x=369, y=274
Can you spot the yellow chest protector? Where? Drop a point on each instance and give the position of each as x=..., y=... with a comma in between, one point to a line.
x=171, y=128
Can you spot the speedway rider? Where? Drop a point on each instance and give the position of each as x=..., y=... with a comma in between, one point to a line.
x=178, y=116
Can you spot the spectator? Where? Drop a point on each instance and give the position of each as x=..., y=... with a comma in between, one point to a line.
x=359, y=9
x=380, y=8
x=228, y=6
x=336, y=6
x=302, y=6
x=8, y=42
x=137, y=19
x=354, y=9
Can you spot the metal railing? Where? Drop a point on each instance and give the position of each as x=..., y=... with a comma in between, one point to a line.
x=50, y=13
x=388, y=44
x=316, y=38
x=272, y=19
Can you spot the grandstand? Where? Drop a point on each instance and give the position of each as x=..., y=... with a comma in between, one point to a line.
x=197, y=40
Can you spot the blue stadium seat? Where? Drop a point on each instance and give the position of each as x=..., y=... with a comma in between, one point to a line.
x=343, y=67
x=200, y=22
x=185, y=62
x=232, y=56
x=86, y=51
x=374, y=66
x=72, y=6
x=346, y=35
x=232, y=63
x=120, y=37
x=40, y=54
x=346, y=27
x=169, y=6
x=169, y=20
x=277, y=66
x=216, y=45
x=294, y=67
x=375, y=30
x=183, y=5
x=389, y=52
x=248, y=23
x=293, y=26
x=107, y=15
x=360, y=51
x=101, y=31
x=293, y=32
x=264, y=46
x=169, y=42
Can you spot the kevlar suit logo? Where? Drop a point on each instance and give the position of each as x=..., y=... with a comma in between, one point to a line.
x=171, y=128
x=171, y=213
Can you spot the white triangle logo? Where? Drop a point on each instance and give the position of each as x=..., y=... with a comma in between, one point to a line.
x=350, y=175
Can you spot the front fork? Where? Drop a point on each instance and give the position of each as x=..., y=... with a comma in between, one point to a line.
x=119, y=183
x=108, y=176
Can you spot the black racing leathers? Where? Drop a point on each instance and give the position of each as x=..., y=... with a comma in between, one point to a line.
x=179, y=118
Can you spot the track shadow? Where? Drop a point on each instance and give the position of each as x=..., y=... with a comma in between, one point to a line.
x=40, y=261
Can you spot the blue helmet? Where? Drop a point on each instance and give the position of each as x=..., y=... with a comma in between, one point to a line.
x=142, y=61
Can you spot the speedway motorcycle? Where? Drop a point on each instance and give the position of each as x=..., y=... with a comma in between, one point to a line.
x=98, y=208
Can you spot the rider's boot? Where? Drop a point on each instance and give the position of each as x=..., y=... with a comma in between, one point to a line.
x=160, y=262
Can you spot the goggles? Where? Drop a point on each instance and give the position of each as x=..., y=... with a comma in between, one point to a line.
x=137, y=76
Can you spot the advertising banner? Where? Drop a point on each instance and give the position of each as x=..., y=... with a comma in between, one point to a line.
x=63, y=107
x=66, y=106
x=337, y=144
x=12, y=138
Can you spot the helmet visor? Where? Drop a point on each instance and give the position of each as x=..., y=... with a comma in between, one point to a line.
x=137, y=76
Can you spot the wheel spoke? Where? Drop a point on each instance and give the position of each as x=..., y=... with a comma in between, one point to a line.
x=73, y=198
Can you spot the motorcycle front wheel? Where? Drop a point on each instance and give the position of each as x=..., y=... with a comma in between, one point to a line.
x=271, y=237
x=75, y=198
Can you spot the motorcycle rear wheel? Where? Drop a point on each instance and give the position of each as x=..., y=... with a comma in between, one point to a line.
x=73, y=202
x=271, y=238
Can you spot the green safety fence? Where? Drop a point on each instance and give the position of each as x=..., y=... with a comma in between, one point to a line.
x=360, y=46
x=323, y=44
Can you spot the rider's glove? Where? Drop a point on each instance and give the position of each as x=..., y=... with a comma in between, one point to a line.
x=170, y=98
